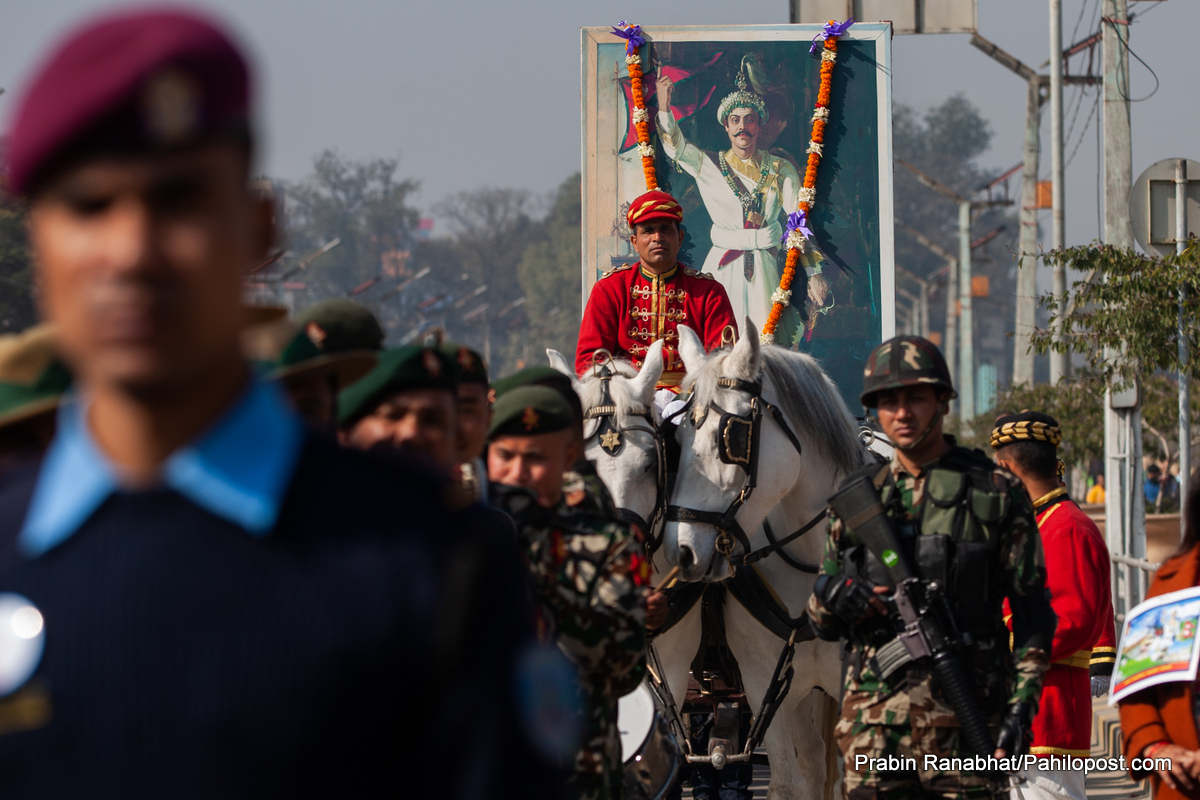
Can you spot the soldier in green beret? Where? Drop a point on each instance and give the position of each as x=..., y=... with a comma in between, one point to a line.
x=581, y=484
x=407, y=402
x=474, y=415
x=337, y=343
x=589, y=573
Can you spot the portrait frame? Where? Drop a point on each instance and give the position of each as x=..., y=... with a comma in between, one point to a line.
x=863, y=72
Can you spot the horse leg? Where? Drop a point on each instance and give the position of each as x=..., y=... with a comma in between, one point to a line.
x=675, y=649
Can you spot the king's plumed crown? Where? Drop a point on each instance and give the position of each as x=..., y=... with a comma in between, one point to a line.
x=743, y=98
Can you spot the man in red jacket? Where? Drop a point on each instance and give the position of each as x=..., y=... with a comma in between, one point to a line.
x=635, y=305
x=1078, y=577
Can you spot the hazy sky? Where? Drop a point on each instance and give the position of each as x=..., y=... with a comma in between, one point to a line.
x=472, y=93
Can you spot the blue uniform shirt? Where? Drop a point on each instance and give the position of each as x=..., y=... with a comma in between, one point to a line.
x=238, y=470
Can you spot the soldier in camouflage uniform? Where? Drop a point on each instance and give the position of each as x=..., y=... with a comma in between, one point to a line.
x=581, y=485
x=968, y=524
x=589, y=573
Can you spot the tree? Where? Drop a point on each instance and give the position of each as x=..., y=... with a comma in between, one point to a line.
x=1126, y=304
x=549, y=276
x=363, y=204
x=17, y=307
x=946, y=143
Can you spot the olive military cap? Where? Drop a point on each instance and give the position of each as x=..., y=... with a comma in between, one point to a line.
x=411, y=367
x=337, y=325
x=532, y=376
x=470, y=365
x=529, y=411
x=32, y=379
x=904, y=361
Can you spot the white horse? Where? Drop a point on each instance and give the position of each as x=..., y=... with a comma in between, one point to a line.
x=793, y=481
x=803, y=726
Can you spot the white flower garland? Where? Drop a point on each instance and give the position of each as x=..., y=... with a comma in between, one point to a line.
x=807, y=195
x=820, y=113
x=636, y=58
x=766, y=338
x=795, y=239
x=646, y=150
x=829, y=55
x=641, y=115
x=815, y=147
x=782, y=297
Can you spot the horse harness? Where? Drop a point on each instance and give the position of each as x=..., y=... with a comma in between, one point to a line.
x=737, y=443
x=612, y=442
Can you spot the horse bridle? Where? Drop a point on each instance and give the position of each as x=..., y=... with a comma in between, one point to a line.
x=737, y=443
x=612, y=441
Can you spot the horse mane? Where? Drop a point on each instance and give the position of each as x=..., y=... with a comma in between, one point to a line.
x=620, y=391
x=801, y=389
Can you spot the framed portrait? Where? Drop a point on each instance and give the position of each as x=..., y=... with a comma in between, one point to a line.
x=731, y=109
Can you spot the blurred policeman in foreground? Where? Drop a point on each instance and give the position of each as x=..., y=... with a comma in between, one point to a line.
x=209, y=601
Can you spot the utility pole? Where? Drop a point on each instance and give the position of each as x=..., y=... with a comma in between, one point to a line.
x=949, y=346
x=1185, y=411
x=1026, y=308
x=1124, y=502
x=922, y=306
x=1058, y=361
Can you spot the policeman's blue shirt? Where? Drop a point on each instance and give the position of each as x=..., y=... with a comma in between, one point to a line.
x=238, y=470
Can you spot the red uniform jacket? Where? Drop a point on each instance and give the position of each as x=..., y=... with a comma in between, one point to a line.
x=1079, y=578
x=629, y=309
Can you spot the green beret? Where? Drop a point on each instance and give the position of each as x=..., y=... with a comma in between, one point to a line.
x=470, y=365
x=533, y=376
x=21, y=402
x=528, y=411
x=31, y=377
x=411, y=367
x=337, y=325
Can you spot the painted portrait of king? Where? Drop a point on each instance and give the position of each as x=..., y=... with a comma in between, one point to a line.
x=747, y=192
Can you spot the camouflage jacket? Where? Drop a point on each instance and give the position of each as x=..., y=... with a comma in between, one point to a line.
x=1001, y=679
x=590, y=577
x=584, y=491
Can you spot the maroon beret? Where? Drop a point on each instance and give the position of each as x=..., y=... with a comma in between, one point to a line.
x=137, y=81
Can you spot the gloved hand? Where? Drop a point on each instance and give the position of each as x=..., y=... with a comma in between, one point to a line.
x=1016, y=731
x=1100, y=685
x=847, y=598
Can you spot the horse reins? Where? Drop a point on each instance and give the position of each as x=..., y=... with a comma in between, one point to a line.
x=737, y=443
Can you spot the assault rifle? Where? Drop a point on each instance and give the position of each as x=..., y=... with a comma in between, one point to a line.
x=924, y=625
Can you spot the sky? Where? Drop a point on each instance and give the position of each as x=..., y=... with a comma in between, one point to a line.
x=475, y=93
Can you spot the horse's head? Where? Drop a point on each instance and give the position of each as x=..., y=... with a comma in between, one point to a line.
x=765, y=427
x=620, y=430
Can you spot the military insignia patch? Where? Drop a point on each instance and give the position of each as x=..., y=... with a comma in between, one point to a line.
x=530, y=418
x=431, y=363
x=316, y=334
x=171, y=107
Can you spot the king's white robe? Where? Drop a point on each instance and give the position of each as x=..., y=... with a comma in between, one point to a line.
x=749, y=298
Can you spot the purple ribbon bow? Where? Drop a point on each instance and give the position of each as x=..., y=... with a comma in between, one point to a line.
x=797, y=221
x=833, y=29
x=632, y=34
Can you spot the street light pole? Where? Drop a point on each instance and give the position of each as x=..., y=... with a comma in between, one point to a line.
x=966, y=370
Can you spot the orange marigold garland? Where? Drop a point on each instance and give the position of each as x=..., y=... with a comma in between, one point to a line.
x=797, y=234
x=632, y=34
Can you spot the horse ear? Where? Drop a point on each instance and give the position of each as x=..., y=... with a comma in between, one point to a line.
x=559, y=362
x=746, y=357
x=652, y=369
x=691, y=349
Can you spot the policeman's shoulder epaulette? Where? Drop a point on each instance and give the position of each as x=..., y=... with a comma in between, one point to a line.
x=695, y=273
x=615, y=270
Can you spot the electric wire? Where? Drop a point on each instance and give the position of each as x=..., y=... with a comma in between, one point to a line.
x=1083, y=133
x=1124, y=90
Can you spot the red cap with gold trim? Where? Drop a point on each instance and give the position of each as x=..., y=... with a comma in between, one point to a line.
x=654, y=205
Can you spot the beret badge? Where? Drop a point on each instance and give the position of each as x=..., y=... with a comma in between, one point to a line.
x=171, y=107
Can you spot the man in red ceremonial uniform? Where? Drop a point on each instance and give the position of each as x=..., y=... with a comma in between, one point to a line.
x=635, y=305
x=1078, y=576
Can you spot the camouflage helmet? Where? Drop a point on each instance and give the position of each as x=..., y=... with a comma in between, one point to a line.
x=904, y=361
